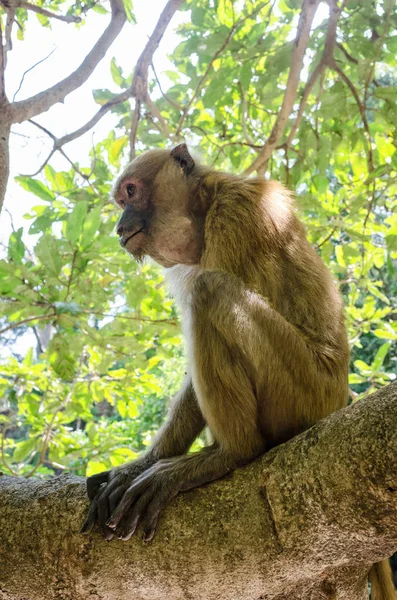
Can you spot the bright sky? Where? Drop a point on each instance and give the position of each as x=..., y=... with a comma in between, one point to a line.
x=71, y=45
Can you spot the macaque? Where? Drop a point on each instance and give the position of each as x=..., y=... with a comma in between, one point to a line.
x=266, y=343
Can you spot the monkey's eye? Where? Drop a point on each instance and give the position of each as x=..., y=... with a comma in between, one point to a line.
x=130, y=189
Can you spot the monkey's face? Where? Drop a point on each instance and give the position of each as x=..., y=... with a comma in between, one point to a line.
x=155, y=193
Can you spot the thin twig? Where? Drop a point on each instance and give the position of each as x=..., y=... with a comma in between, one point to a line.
x=30, y=69
x=37, y=318
x=349, y=57
x=47, y=13
x=317, y=246
x=169, y=100
x=47, y=436
x=378, y=51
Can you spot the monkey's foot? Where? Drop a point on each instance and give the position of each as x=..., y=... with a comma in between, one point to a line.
x=105, y=490
x=143, y=501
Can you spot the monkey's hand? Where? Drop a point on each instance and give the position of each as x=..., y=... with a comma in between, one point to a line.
x=106, y=489
x=144, y=500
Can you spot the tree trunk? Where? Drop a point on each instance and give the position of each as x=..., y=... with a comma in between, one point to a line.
x=305, y=521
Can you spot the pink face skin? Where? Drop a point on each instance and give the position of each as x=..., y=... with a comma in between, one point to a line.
x=154, y=195
x=134, y=194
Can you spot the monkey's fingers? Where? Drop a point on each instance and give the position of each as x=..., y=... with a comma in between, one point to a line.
x=94, y=483
x=91, y=518
x=128, y=524
x=135, y=490
x=152, y=516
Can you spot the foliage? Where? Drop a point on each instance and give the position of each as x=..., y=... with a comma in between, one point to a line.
x=93, y=395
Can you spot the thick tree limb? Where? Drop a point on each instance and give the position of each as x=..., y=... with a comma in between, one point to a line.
x=305, y=521
x=26, y=109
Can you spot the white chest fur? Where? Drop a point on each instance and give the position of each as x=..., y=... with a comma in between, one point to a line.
x=180, y=280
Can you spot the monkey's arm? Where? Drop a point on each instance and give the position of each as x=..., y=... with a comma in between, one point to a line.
x=184, y=423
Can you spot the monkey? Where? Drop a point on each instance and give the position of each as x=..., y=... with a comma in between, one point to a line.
x=263, y=321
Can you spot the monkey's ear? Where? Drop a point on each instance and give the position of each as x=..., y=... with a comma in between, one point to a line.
x=182, y=156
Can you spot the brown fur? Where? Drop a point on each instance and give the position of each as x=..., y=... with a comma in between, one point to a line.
x=381, y=578
x=267, y=347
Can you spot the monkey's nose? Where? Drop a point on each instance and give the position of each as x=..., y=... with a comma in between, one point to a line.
x=119, y=229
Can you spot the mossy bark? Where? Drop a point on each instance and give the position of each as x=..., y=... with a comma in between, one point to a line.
x=305, y=521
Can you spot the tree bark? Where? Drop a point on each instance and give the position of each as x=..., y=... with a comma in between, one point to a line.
x=305, y=521
x=5, y=127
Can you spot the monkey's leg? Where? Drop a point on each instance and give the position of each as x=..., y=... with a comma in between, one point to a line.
x=225, y=378
x=184, y=423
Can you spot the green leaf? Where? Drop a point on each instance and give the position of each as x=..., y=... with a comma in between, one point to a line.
x=380, y=356
x=116, y=150
x=245, y=75
x=116, y=73
x=128, y=11
x=387, y=93
x=40, y=224
x=75, y=222
x=91, y=225
x=24, y=449
x=102, y=96
x=36, y=187
x=47, y=252
x=16, y=247
x=61, y=359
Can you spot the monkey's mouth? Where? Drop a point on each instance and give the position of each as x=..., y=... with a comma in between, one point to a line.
x=125, y=241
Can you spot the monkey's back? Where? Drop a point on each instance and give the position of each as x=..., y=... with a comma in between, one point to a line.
x=253, y=233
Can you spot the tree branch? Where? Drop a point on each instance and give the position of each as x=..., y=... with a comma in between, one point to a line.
x=306, y=520
x=309, y=9
x=136, y=115
x=349, y=57
x=145, y=59
x=138, y=87
x=47, y=13
x=2, y=68
x=320, y=68
x=36, y=318
x=26, y=109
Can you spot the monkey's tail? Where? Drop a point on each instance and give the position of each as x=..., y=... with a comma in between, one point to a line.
x=381, y=578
